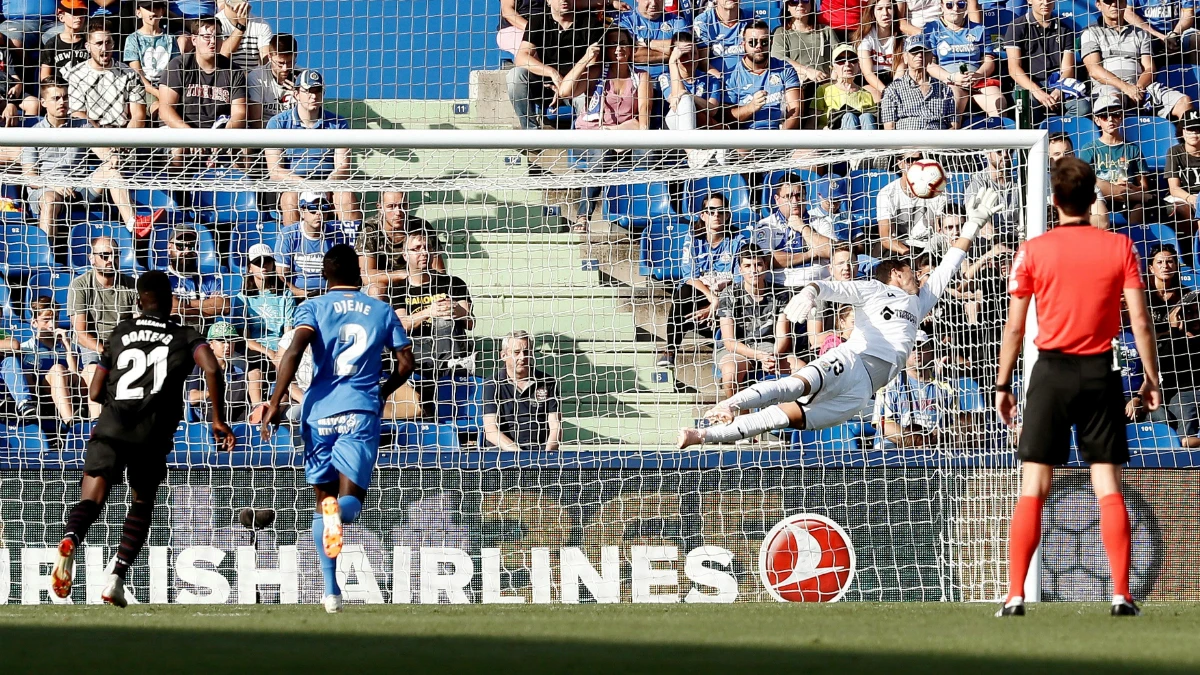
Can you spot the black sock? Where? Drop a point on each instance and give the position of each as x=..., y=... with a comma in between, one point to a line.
x=80, y=520
x=133, y=535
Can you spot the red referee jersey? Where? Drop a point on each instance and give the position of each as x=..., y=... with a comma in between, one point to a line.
x=1076, y=274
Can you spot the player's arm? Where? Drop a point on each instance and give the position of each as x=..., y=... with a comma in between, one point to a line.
x=288, y=364
x=214, y=379
x=982, y=206
x=400, y=373
x=98, y=389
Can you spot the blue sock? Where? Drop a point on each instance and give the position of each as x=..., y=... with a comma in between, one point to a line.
x=350, y=507
x=328, y=565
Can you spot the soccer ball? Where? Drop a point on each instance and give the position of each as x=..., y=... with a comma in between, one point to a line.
x=925, y=178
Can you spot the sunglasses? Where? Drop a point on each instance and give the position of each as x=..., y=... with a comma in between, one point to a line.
x=846, y=59
x=103, y=255
x=1109, y=114
x=188, y=245
x=758, y=42
x=957, y=4
x=716, y=210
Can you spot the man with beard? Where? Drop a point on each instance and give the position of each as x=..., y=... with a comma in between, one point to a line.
x=197, y=295
x=271, y=87
x=763, y=91
x=381, y=245
x=97, y=300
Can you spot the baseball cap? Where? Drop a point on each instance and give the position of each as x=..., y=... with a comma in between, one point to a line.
x=152, y=3
x=308, y=200
x=915, y=42
x=844, y=49
x=833, y=189
x=1190, y=121
x=222, y=330
x=1106, y=101
x=184, y=231
x=309, y=79
x=76, y=7
x=259, y=251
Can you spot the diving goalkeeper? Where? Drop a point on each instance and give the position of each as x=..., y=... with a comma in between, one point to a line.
x=837, y=386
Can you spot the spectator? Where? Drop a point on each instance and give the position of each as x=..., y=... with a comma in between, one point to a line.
x=97, y=300
x=1061, y=146
x=103, y=90
x=797, y=250
x=1183, y=178
x=514, y=18
x=693, y=94
x=381, y=245
x=755, y=335
x=653, y=30
x=707, y=269
x=301, y=249
x=830, y=210
x=266, y=309
x=63, y=52
x=1040, y=51
x=1006, y=225
x=880, y=46
x=916, y=409
x=1120, y=169
x=844, y=17
x=842, y=104
x=245, y=40
x=223, y=339
x=906, y=222
x=1179, y=362
x=520, y=407
x=1119, y=60
x=297, y=164
x=913, y=100
x=25, y=21
x=1170, y=25
x=271, y=87
x=800, y=41
x=65, y=167
x=201, y=89
x=949, y=226
x=966, y=59
x=45, y=368
x=720, y=28
x=198, y=295
x=764, y=92
x=149, y=49
x=11, y=92
x=1164, y=289
x=843, y=327
x=824, y=318
x=554, y=42
x=435, y=310
x=618, y=97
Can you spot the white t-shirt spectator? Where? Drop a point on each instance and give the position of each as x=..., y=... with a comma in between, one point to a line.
x=913, y=220
x=921, y=12
x=106, y=94
x=1120, y=49
x=263, y=89
x=879, y=51
x=258, y=34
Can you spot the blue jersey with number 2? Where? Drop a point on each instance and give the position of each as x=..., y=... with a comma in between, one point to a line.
x=352, y=330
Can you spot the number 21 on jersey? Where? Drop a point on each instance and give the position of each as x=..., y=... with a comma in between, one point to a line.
x=138, y=362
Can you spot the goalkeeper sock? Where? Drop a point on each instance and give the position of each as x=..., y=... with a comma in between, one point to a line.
x=1024, y=534
x=328, y=565
x=1114, y=532
x=775, y=391
x=350, y=506
x=748, y=426
x=133, y=535
x=80, y=521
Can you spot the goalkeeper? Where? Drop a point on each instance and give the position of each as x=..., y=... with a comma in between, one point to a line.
x=839, y=385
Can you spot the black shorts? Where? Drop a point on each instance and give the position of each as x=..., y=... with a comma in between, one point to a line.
x=1084, y=391
x=147, y=463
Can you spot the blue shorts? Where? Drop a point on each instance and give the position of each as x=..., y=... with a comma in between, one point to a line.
x=345, y=444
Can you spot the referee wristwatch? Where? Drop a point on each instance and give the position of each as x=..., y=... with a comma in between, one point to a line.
x=1007, y=388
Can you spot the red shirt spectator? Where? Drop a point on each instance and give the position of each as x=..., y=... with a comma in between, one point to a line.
x=842, y=15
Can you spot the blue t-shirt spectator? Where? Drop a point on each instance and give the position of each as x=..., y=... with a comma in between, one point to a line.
x=264, y=316
x=28, y=10
x=645, y=31
x=953, y=47
x=308, y=162
x=38, y=358
x=193, y=9
x=721, y=40
x=303, y=255
x=1162, y=15
x=195, y=286
x=740, y=86
x=702, y=258
x=703, y=85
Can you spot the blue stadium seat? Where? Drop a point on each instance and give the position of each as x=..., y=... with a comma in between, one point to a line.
x=662, y=247
x=970, y=395
x=635, y=205
x=421, y=436
x=210, y=263
x=247, y=234
x=54, y=282
x=1153, y=135
x=1151, y=436
x=81, y=245
x=1164, y=234
x=1189, y=278
x=1083, y=131
x=25, y=249
x=225, y=207
x=1183, y=78
x=736, y=192
x=26, y=439
x=460, y=401
x=841, y=437
x=1076, y=15
x=956, y=186
x=985, y=122
x=148, y=201
x=864, y=185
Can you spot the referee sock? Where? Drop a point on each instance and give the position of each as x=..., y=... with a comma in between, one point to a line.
x=133, y=535
x=1114, y=532
x=747, y=426
x=350, y=506
x=80, y=521
x=1024, y=534
x=328, y=565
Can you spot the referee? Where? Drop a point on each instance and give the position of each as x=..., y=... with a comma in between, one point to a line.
x=1079, y=275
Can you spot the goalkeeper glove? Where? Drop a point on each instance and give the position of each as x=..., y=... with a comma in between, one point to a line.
x=981, y=208
x=801, y=306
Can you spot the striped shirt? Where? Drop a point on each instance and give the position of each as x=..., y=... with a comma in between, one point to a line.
x=905, y=106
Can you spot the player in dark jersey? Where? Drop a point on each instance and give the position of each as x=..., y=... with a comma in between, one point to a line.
x=143, y=367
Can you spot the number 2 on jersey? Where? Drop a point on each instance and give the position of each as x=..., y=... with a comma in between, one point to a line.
x=137, y=361
x=354, y=337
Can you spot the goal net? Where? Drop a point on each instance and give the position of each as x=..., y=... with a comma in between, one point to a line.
x=596, y=253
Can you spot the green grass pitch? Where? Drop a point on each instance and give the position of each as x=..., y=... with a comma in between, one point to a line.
x=839, y=638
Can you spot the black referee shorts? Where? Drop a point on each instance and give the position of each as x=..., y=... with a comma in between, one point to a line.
x=1084, y=391
x=147, y=464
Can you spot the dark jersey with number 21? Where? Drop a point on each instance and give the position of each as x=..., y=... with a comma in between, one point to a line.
x=147, y=360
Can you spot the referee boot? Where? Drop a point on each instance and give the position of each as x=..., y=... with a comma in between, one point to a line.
x=62, y=576
x=1123, y=606
x=1014, y=607
x=114, y=592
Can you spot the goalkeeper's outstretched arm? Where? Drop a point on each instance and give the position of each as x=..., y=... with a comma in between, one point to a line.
x=984, y=205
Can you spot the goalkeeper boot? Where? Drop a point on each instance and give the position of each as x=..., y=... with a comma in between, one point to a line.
x=331, y=514
x=333, y=604
x=61, y=577
x=114, y=592
x=1123, y=606
x=1014, y=607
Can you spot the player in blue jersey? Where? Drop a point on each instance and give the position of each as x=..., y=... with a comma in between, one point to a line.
x=348, y=331
x=966, y=58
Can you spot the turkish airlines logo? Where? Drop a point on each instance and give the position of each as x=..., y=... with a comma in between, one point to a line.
x=806, y=558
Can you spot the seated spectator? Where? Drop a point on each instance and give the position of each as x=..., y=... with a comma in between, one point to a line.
x=999, y=174
x=720, y=27
x=297, y=164
x=880, y=46
x=965, y=59
x=66, y=167
x=381, y=245
x=103, y=90
x=61, y=53
x=915, y=14
x=245, y=39
x=97, y=300
x=693, y=94
x=913, y=100
x=763, y=91
x=149, y=49
x=843, y=327
x=223, y=338
x=11, y=95
x=804, y=43
x=1119, y=60
x=842, y=104
x=1170, y=25
x=904, y=221
x=265, y=309
x=301, y=248
x=1040, y=52
x=916, y=409
x=618, y=97
x=514, y=17
x=198, y=295
x=844, y=17
x=24, y=22
x=553, y=43
x=271, y=87
x=201, y=89
x=1164, y=289
x=1061, y=146
x=1183, y=179
x=707, y=269
x=1120, y=169
x=797, y=250
x=1179, y=365
x=520, y=407
x=824, y=318
x=653, y=30
x=949, y=226
x=830, y=209
x=45, y=369
x=755, y=335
